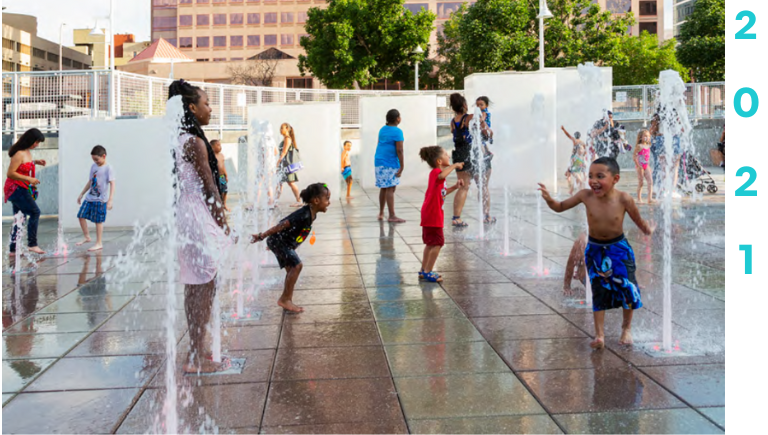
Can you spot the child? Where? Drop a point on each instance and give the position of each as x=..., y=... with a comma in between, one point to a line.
x=432, y=217
x=346, y=166
x=486, y=133
x=610, y=259
x=642, y=159
x=223, y=177
x=389, y=163
x=286, y=236
x=97, y=200
x=578, y=163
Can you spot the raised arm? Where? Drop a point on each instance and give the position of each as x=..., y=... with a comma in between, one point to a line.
x=197, y=153
x=562, y=127
x=634, y=214
x=561, y=206
x=447, y=171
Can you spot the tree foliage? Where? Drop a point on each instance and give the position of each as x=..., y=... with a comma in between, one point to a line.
x=702, y=41
x=362, y=41
x=499, y=35
x=646, y=59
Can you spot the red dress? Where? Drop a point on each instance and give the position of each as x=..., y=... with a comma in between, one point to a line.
x=11, y=185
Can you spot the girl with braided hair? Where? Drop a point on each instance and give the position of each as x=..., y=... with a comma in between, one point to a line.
x=201, y=224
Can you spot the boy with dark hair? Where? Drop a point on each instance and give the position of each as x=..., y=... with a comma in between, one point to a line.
x=223, y=177
x=346, y=166
x=97, y=199
x=432, y=217
x=610, y=259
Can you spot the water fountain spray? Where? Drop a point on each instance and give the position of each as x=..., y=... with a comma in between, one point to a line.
x=537, y=111
x=478, y=162
x=20, y=222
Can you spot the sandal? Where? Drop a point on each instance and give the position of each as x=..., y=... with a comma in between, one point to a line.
x=433, y=277
x=489, y=220
x=423, y=275
x=460, y=224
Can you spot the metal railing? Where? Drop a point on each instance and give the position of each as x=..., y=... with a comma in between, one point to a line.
x=41, y=99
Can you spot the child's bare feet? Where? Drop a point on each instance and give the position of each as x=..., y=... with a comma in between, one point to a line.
x=626, y=336
x=208, y=366
x=84, y=241
x=226, y=207
x=290, y=306
x=597, y=343
x=36, y=250
x=396, y=220
x=567, y=290
x=95, y=248
x=380, y=217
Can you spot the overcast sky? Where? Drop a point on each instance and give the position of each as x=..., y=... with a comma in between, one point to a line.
x=131, y=16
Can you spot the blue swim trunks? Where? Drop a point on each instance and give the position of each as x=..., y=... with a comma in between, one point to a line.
x=347, y=172
x=95, y=211
x=611, y=267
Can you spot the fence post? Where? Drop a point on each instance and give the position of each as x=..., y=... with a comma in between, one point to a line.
x=645, y=104
x=118, y=95
x=110, y=94
x=15, y=104
x=221, y=112
x=151, y=98
x=94, y=94
x=696, y=101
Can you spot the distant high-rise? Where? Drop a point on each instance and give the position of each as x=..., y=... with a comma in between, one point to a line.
x=682, y=9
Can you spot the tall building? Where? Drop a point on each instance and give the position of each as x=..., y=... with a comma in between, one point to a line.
x=649, y=14
x=97, y=46
x=682, y=9
x=23, y=50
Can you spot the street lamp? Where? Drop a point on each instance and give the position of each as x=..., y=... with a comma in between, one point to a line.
x=543, y=13
x=418, y=52
x=109, y=58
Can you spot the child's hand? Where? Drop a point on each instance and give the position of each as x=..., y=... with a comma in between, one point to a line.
x=40, y=162
x=34, y=182
x=109, y=204
x=256, y=238
x=544, y=192
x=651, y=227
x=459, y=165
x=79, y=199
x=460, y=183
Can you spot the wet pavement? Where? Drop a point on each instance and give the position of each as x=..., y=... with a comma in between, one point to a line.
x=495, y=348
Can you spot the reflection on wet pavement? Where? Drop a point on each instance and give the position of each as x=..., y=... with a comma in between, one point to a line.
x=495, y=348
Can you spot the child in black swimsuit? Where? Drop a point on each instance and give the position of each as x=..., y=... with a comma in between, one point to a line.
x=292, y=231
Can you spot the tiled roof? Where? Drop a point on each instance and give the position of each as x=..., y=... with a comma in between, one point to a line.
x=161, y=50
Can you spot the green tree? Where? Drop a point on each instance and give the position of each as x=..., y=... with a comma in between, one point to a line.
x=702, y=41
x=646, y=58
x=499, y=35
x=362, y=41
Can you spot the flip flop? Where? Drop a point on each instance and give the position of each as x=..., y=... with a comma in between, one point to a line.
x=489, y=220
x=432, y=277
x=461, y=224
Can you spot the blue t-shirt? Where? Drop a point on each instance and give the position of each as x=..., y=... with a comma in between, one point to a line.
x=386, y=150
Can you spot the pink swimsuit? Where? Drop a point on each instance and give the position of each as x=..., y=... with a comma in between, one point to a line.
x=644, y=157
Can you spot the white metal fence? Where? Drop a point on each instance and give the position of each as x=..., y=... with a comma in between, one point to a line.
x=42, y=99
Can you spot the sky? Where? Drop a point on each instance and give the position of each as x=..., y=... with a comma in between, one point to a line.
x=131, y=16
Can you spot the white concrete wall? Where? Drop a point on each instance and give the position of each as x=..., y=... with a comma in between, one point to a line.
x=574, y=112
x=419, y=125
x=138, y=151
x=520, y=160
x=317, y=127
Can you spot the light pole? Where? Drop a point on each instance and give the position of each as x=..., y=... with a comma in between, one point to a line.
x=61, y=42
x=543, y=13
x=418, y=52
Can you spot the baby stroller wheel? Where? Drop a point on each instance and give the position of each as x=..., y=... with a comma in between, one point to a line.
x=712, y=188
x=700, y=188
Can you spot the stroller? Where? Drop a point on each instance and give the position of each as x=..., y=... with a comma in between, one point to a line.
x=694, y=176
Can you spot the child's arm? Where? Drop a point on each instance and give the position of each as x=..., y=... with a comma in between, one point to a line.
x=85, y=189
x=561, y=206
x=453, y=188
x=276, y=229
x=343, y=159
x=562, y=127
x=13, y=175
x=635, y=155
x=399, y=147
x=447, y=171
x=111, y=194
x=223, y=172
x=197, y=153
x=634, y=213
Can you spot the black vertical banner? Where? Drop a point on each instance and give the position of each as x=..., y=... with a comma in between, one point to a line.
x=743, y=24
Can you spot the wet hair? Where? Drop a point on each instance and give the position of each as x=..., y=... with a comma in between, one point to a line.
x=431, y=154
x=313, y=191
x=290, y=134
x=610, y=163
x=577, y=135
x=347, y=142
x=640, y=135
x=99, y=150
x=457, y=102
x=190, y=94
x=609, y=113
x=485, y=100
x=26, y=141
x=392, y=116
x=215, y=141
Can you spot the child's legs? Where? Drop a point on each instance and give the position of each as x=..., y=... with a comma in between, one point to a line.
x=295, y=190
x=640, y=177
x=99, y=232
x=626, y=322
x=486, y=192
x=16, y=210
x=349, y=185
x=391, y=200
x=224, y=199
x=599, y=324
x=648, y=174
x=434, y=252
x=84, y=227
x=291, y=276
x=461, y=193
x=198, y=302
x=382, y=200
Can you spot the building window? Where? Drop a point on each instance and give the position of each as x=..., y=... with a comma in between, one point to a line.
x=254, y=18
x=77, y=65
x=203, y=20
x=648, y=8
x=219, y=41
x=24, y=48
x=185, y=2
x=649, y=27
x=299, y=83
x=444, y=10
x=202, y=60
x=254, y=40
x=53, y=57
x=185, y=42
x=171, y=41
x=198, y=2
x=219, y=59
x=270, y=39
x=163, y=23
x=302, y=17
x=219, y=2
x=158, y=4
x=235, y=1
x=185, y=20
x=38, y=53
x=7, y=43
x=286, y=39
x=270, y=18
x=236, y=41
x=67, y=62
x=236, y=59
x=619, y=6
x=415, y=8
x=286, y=17
x=203, y=42
x=219, y=19
x=236, y=19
